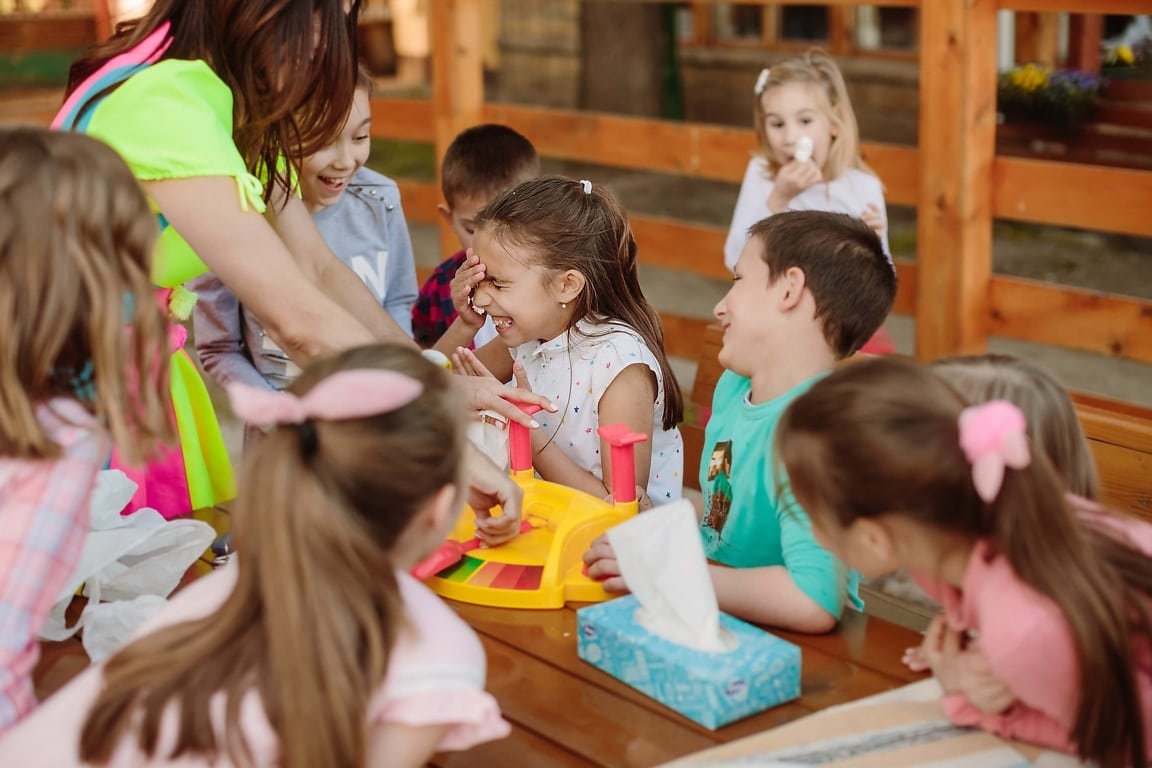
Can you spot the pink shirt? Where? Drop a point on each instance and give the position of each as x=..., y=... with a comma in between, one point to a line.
x=435, y=676
x=1029, y=645
x=43, y=521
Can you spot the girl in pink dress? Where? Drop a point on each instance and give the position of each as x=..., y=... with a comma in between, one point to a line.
x=316, y=648
x=1045, y=632
x=76, y=240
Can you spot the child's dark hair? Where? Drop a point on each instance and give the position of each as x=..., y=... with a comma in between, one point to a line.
x=247, y=43
x=485, y=160
x=77, y=307
x=851, y=278
x=1052, y=421
x=364, y=79
x=588, y=232
x=881, y=437
x=315, y=610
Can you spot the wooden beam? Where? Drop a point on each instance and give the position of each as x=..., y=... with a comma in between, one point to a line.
x=957, y=147
x=1073, y=195
x=1125, y=7
x=1071, y=318
x=688, y=149
x=420, y=200
x=407, y=119
x=458, y=79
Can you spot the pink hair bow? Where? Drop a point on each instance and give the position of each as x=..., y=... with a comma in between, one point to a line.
x=993, y=436
x=345, y=395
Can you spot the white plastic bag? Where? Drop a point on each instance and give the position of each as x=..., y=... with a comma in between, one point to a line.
x=125, y=558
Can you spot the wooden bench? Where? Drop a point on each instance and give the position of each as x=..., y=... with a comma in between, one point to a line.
x=1120, y=435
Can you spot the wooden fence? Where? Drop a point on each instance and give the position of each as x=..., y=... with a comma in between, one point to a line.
x=954, y=179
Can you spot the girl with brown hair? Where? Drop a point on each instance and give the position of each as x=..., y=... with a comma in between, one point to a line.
x=557, y=275
x=317, y=648
x=76, y=240
x=1045, y=634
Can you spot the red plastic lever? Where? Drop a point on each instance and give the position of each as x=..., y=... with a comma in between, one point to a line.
x=450, y=552
x=520, y=441
x=622, y=459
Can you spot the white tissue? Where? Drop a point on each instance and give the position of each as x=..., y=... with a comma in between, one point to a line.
x=803, y=151
x=662, y=560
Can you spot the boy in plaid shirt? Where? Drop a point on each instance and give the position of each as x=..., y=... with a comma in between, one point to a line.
x=480, y=163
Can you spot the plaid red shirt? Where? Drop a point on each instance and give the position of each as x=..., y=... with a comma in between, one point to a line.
x=43, y=522
x=433, y=311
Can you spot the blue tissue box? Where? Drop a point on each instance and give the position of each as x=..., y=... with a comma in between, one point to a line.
x=711, y=688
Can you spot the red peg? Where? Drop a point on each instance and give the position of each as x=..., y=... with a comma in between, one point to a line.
x=622, y=460
x=520, y=441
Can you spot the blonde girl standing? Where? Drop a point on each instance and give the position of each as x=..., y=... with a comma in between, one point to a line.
x=809, y=152
x=77, y=311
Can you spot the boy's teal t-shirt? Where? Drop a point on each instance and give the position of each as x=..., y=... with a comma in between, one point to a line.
x=745, y=524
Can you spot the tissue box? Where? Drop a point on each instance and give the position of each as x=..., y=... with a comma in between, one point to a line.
x=711, y=688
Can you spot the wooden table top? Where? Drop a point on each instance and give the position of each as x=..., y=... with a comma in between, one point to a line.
x=565, y=712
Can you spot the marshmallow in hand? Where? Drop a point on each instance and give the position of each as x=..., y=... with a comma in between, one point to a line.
x=803, y=149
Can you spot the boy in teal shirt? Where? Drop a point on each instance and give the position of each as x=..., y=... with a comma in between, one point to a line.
x=809, y=289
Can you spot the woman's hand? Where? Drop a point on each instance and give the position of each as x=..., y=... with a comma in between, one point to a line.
x=468, y=276
x=792, y=179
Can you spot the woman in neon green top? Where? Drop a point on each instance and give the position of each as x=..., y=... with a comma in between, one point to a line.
x=206, y=100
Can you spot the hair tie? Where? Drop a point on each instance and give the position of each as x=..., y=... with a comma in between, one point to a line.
x=344, y=395
x=586, y=185
x=993, y=435
x=309, y=440
x=761, y=81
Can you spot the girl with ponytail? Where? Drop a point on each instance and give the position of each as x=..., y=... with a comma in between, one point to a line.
x=1045, y=631
x=317, y=647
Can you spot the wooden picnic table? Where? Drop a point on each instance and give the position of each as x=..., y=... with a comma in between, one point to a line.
x=565, y=712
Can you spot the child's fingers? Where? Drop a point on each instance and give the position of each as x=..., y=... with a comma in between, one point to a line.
x=520, y=376
x=473, y=364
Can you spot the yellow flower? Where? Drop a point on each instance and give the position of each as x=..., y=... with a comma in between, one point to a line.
x=1124, y=55
x=1030, y=77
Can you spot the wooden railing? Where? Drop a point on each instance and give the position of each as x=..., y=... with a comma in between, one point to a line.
x=954, y=179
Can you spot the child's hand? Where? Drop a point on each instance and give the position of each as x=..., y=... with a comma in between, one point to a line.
x=496, y=530
x=600, y=564
x=791, y=180
x=960, y=667
x=465, y=363
x=874, y=218
x=470, y=274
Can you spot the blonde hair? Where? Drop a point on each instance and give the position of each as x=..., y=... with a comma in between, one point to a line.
x=818, y=70
x=76, y=241
x=1052, y=421
x=316, y=609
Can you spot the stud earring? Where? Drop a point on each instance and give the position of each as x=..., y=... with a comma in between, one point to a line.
x=564, y=305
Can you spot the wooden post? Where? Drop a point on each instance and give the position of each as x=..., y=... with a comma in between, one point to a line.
x=457, y=80
x=103, y=15
x=1085, y=31
x=1037, y=38
x=957, y=149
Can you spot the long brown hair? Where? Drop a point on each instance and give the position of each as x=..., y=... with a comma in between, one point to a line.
x=1052, y=421
x=76, y=241
x=817, y=70
x=881, y=437
x=589, y=233
x=315, y=609
x=290, y=99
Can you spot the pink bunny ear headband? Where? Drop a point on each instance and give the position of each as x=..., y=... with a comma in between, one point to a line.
x=993, y=436
x=345, y=395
